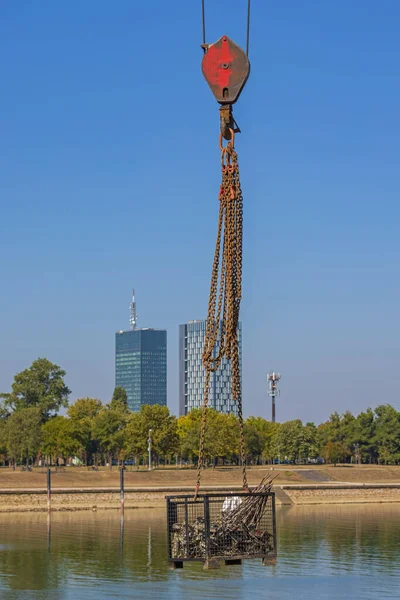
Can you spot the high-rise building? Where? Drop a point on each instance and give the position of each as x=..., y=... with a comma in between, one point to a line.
x=141, y=363
x=141, y=366
x=192, y=373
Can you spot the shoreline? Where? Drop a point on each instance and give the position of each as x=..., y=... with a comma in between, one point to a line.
x=100, y=498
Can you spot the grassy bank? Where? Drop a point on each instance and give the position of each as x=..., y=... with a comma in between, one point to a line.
x=75, y=477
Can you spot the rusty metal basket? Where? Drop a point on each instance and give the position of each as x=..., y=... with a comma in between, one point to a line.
x=201, y=530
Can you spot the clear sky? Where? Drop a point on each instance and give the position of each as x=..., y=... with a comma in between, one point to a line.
x=109, y=179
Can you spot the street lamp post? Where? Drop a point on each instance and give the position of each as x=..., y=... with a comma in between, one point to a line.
x=357, y=456
x=149, y=449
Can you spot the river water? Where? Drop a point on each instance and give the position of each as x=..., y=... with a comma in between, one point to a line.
x=346, y=552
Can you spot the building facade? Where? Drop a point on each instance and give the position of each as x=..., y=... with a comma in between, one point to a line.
x=141, y=366
x=192, y=373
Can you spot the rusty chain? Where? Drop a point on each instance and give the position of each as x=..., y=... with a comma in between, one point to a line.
x=224, y=303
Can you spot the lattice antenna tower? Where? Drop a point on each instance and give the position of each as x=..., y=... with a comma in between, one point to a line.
x=273, y=391
x=133, y=312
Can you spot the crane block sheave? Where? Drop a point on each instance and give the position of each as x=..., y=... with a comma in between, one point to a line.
x=226, y=68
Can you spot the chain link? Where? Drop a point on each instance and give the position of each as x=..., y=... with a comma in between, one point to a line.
x=225, y=296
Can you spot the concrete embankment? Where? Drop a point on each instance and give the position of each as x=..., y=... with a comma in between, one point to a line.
x=27, y=500
x=72, y=500
x=34, y=500
x=341, y=493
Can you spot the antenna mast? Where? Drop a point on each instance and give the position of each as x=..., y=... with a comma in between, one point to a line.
x=273, y=379
x=133, y=313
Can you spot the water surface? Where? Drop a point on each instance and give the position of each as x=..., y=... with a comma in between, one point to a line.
x=347, y=552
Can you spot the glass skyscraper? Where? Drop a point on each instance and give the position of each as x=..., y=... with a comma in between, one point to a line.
x=192, y=373
x=141, y=366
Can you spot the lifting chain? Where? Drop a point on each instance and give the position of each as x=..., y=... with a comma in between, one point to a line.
x=224, y=303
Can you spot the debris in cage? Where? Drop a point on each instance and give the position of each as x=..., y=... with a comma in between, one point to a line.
x=238, y=530
x=189, y=540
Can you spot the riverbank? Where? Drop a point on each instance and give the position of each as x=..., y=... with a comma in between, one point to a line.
x=81, y=477
x=338, y=494
x=151, y=498
x=82, y=489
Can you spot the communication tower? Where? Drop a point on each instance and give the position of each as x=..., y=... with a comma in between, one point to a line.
x=273, y=380
x=133, y=313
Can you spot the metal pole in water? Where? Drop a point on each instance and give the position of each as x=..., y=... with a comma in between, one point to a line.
x=48, y=489
x=149, y=549
x=48, y=531
x=121, y=532
x=122, y=487
x=149, y=449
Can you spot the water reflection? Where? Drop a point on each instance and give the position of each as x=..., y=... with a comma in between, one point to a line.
x=85, y=555
x=48, y=532
x=121, y=532
x=340, y=537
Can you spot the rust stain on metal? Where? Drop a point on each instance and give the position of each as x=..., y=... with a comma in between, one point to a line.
x=226, y=69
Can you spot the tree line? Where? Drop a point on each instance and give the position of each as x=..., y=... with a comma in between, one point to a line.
x=32, y=430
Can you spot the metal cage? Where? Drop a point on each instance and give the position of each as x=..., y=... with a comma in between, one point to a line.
x=200, y=530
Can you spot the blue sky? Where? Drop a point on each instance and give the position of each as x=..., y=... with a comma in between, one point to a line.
x=109, y=179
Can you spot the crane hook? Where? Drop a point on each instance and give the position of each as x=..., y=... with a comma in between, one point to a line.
x=226, y=68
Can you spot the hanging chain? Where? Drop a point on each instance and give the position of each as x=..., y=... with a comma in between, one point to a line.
x=203, y=21
x=225, y=294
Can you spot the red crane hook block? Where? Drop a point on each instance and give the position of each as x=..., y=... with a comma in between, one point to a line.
x=226, y=69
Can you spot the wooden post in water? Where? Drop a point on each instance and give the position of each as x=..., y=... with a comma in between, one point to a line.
x=48, y=489
x=121, y=487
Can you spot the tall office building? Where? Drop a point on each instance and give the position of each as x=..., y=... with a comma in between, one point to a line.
x=192, y=373
x=141, y=363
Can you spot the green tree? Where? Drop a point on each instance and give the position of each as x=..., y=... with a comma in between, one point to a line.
x=258, y=433
x=3, y=441
x=332, y=428
x=4, y=413
x=269, y=448
x=84, y=409
x=334, y=452
x=189, y=427
x=387, y=433
x=310, y=448
x=119, y=400
x=364, y=435
x=348, y=428
x=59, y=439
x=82, y=414
x=135, y=441
x=22, y=434
x=40, y=386
x=322, y=437
x=339, y=428
x=164, y=435
x=109, y=433
x=289, y=441
x=223, y=439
